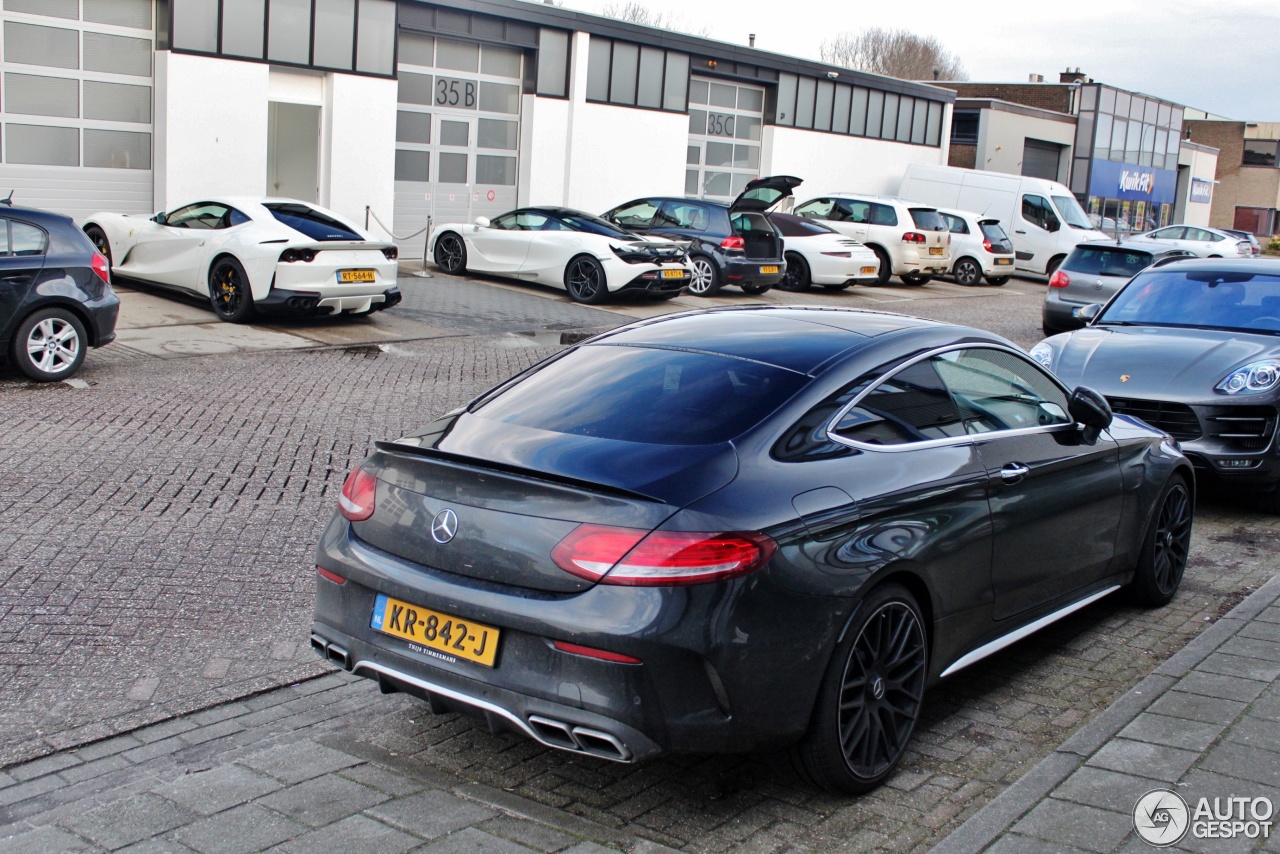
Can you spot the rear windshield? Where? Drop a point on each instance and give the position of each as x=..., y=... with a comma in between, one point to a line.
x=993, y=231
x=794, y=226
x=654, y=396
x=928, y=219
x=1106, y=261
x=311, y=222
x=1246, y=302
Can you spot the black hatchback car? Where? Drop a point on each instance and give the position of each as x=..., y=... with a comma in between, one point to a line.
x=739, y=529
x=732, y=244
x=55, y=294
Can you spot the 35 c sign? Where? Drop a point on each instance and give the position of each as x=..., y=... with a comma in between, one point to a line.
x=719, y=124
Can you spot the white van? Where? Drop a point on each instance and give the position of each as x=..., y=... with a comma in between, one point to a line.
x=1044, y=217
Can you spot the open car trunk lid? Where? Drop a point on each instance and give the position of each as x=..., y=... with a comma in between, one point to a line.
x=763, y=193
x=518, y=491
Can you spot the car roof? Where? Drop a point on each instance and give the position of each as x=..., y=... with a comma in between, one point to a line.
x=36, y=215
x=844, y=194
x=1261, y=266
x=700, y=201
x=795, y=338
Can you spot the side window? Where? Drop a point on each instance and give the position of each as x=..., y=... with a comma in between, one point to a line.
x=1035, y=209
x=1176, y=233
x=529, y=221
x=998, y=390
x=859, y=212
x=555, y=225
x=955, y=224
x=817, y=209
x=685, y=215
x=26, y=239
x=205, y=215
x=635, y=215
x=234, y=217
x=506, y=222
x=883, y=215
x=4, y=236
x=912, y=405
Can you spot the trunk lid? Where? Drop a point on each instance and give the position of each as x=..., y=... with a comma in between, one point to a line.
x=763, y=193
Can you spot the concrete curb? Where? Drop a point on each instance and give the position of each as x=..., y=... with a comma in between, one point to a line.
x=988, y=823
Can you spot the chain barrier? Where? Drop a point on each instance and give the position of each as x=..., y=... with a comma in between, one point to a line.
x=394, y=236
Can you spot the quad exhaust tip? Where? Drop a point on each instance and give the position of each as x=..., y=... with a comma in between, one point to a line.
x=328, y=650
x=579, y=739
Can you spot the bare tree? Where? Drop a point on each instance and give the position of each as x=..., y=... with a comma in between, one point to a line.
x=639, y=13
x=896, y=53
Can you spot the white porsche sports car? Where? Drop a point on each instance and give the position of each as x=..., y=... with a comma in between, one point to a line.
x=253, y=255
x=819, y=255
x=589, y=257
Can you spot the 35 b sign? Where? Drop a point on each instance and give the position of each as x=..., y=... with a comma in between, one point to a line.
x=451, y=92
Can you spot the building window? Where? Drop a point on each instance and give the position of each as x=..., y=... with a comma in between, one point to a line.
x=1263, y=222
x=624, y=73
x=805, y=102
x=964, y=127
x=553, y=63
x=1260, y=152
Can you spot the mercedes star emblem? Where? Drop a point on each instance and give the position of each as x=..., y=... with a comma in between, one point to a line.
x=444, y=526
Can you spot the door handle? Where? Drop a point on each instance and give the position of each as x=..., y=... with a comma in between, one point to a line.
x=16, y=278
x=1019, y=232
x=1014, y=472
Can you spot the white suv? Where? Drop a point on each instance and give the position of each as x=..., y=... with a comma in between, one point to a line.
x=910, y=239
x=980, y=246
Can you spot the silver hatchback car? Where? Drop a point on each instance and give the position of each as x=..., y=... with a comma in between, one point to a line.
x=1092, y=273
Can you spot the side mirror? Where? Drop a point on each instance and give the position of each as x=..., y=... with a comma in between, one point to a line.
x=1052, y=225
x=161, y=217
x=482, y=221
x=1088, y=313
x=1091, y=409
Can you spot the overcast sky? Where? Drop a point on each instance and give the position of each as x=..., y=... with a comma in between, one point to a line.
x=1217, y=55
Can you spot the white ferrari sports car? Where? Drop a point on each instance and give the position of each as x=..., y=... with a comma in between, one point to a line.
x=589, y=257
x=252, y=256
x=819, y=255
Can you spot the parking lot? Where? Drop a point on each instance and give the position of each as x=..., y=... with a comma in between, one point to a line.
x=160, y=511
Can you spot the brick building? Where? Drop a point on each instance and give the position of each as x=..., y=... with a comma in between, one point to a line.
x=1247, y=195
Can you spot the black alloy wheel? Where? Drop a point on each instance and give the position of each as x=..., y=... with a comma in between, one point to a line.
x=967, y=271
x=49, y=345
x=871, y=696
x=229, y=291
x=706, y=276
x=99, y=240
x=451, y=253
x=886, y=266
x=1165, y=548
x=997, y=281
x=797, y=277
x=585, y=280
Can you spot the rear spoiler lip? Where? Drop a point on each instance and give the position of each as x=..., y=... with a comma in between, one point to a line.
x=472, y=462
x=323, y=245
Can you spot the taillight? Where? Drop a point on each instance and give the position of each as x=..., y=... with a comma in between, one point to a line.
x=1059, y=279
x=733, y=242
x=101, y=267
x=986, y=245
x=913, y=237
x=627, y=557
x=288, y=256
x=356, y=501
x=592, y=652
x=391, y=252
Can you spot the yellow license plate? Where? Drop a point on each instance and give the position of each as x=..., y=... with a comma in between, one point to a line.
x=1000, y=261
x=673, y=274
x=935, y=250
x=868, y=271
x=769, y=269
x=441, y=632
x=356, y=276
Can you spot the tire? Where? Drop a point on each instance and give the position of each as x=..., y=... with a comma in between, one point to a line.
x=842, y=287
x=665, y=297
x=1052, y=266
x=917, y=278
x=451, y=254
x=706, y=276
x=1164, y=547
x=967, y=272
x=755, y=290
x=585, y=281
x=49, y=345
x=1269, y=502
x=99, y=239
x=229, y=292
x=798, y=277
x=998, y=281
x=873, y=690
x=886, y=266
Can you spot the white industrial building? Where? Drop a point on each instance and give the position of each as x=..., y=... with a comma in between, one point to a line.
x=401, y=111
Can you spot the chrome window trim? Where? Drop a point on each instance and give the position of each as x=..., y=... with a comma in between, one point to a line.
x=967, y=439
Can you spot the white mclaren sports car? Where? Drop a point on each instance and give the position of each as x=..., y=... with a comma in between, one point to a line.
x=589, y=257
x=819, y=255
x=252, y=256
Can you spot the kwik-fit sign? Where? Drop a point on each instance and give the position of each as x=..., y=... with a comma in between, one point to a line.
x=1109, y=180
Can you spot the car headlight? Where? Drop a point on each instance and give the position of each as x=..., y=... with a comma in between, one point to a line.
x=1255, y=377
x=1043, y=354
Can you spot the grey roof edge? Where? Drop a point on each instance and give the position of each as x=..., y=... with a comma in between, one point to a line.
x=1010, y=107
x=553, y=16
x=1197, y=146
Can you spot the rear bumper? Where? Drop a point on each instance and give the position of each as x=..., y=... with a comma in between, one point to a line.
x=653, y=282
x=748, y=271
x=317, y=303
x=1058, y=312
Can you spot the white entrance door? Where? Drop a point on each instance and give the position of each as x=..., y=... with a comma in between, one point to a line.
x=725, y=123
x=293, y=151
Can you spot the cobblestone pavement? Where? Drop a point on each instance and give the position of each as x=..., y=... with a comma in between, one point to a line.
x=156, y=530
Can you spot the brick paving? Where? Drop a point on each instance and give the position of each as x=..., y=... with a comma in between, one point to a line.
x=156, y=531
